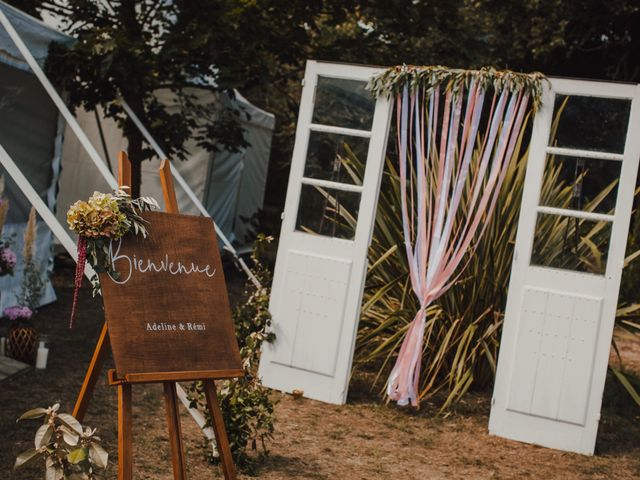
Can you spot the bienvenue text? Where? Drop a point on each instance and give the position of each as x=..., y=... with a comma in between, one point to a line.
x=129, y=264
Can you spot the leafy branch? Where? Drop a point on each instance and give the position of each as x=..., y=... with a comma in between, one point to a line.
x=70, y=451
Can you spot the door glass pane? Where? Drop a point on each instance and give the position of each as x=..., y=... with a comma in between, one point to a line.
x=580, y=183
x=343, y=103
x=328, y=212
x=591, y=123
x=338, y=158
x=571, y=243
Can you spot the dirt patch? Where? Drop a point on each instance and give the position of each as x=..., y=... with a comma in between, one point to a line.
x=361, y=440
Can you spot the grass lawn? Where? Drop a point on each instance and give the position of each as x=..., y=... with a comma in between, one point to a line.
x=361, y=440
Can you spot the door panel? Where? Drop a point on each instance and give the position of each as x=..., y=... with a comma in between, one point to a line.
x=555, y=342
x=326, y=230
x=318, y=288
x=567, y=265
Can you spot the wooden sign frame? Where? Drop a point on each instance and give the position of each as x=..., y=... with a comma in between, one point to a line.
x=168, y=379
x=168, y=311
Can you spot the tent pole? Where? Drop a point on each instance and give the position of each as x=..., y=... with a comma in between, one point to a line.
x=102, y=140
x=26, y=187
x=41, y=207
x=57, y=100
x=192, y=196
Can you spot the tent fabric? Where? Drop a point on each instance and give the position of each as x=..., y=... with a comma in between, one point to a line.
x=31, y=133
x=231, y=185
x=252, y=181
x=28, y=131
x=36, y=35
x=79, y=177
x=223, y=189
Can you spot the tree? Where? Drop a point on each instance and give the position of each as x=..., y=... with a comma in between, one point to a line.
x=588, y=39
x=130, y=49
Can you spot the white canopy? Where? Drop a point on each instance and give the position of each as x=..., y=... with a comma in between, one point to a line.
x=36, y=34
x=31, y=132
x=231, y=185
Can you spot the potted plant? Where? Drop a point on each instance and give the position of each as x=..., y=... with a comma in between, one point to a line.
x=22, y=338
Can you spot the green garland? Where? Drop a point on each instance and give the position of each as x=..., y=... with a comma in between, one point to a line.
x=393, y=80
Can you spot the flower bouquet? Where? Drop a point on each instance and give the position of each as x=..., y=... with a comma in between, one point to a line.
x=98, y=221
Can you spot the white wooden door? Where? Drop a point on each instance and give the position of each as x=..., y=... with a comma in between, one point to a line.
x=563, y=293
x=326, y=229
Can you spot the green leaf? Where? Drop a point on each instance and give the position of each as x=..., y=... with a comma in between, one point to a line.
x=34, y=413
x=70, y=437
x=78, y=455
x=53, y=472
x=77, y=476
x=27, y=457
x=98, y=455
x=71, y=422
x=43, y=435
x=631, y=324
x=626, y=384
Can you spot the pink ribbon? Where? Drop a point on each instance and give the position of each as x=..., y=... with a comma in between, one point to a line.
x=440, y=222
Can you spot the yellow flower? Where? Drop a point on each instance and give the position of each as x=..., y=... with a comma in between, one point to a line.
x=100, y=216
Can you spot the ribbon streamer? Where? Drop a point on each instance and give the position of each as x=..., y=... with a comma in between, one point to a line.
x=451, y=171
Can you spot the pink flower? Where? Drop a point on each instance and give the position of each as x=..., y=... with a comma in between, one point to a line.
x=82, y=261
x=7, y=260
x=17, y=312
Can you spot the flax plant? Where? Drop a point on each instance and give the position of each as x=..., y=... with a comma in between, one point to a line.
x=463, y=327
x=32, y=282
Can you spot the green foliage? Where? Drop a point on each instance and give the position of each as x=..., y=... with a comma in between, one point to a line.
x=462, y=328
x=628, y=321
x=32, y=282
x=580, y=39
x=394, y=79
x=247, y=408
x=32, y=285
x=588, y=39
x=135, y=48
x=70, y=451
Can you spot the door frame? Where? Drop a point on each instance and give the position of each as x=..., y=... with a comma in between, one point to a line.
x=540, y=430
x=285, y=378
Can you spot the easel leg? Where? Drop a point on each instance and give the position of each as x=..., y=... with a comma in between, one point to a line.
x=91, y=377
x=222, y=440
x=125, y=440
x=175, y=434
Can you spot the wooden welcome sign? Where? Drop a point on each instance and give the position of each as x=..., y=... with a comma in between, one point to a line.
x=168, y=320
x=167, y=310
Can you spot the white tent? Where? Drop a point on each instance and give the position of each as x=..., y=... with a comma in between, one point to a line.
x=31, y=132
x=32, y=162
x=229, y=184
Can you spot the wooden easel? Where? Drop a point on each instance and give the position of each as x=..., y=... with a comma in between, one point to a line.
x=125, y=443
